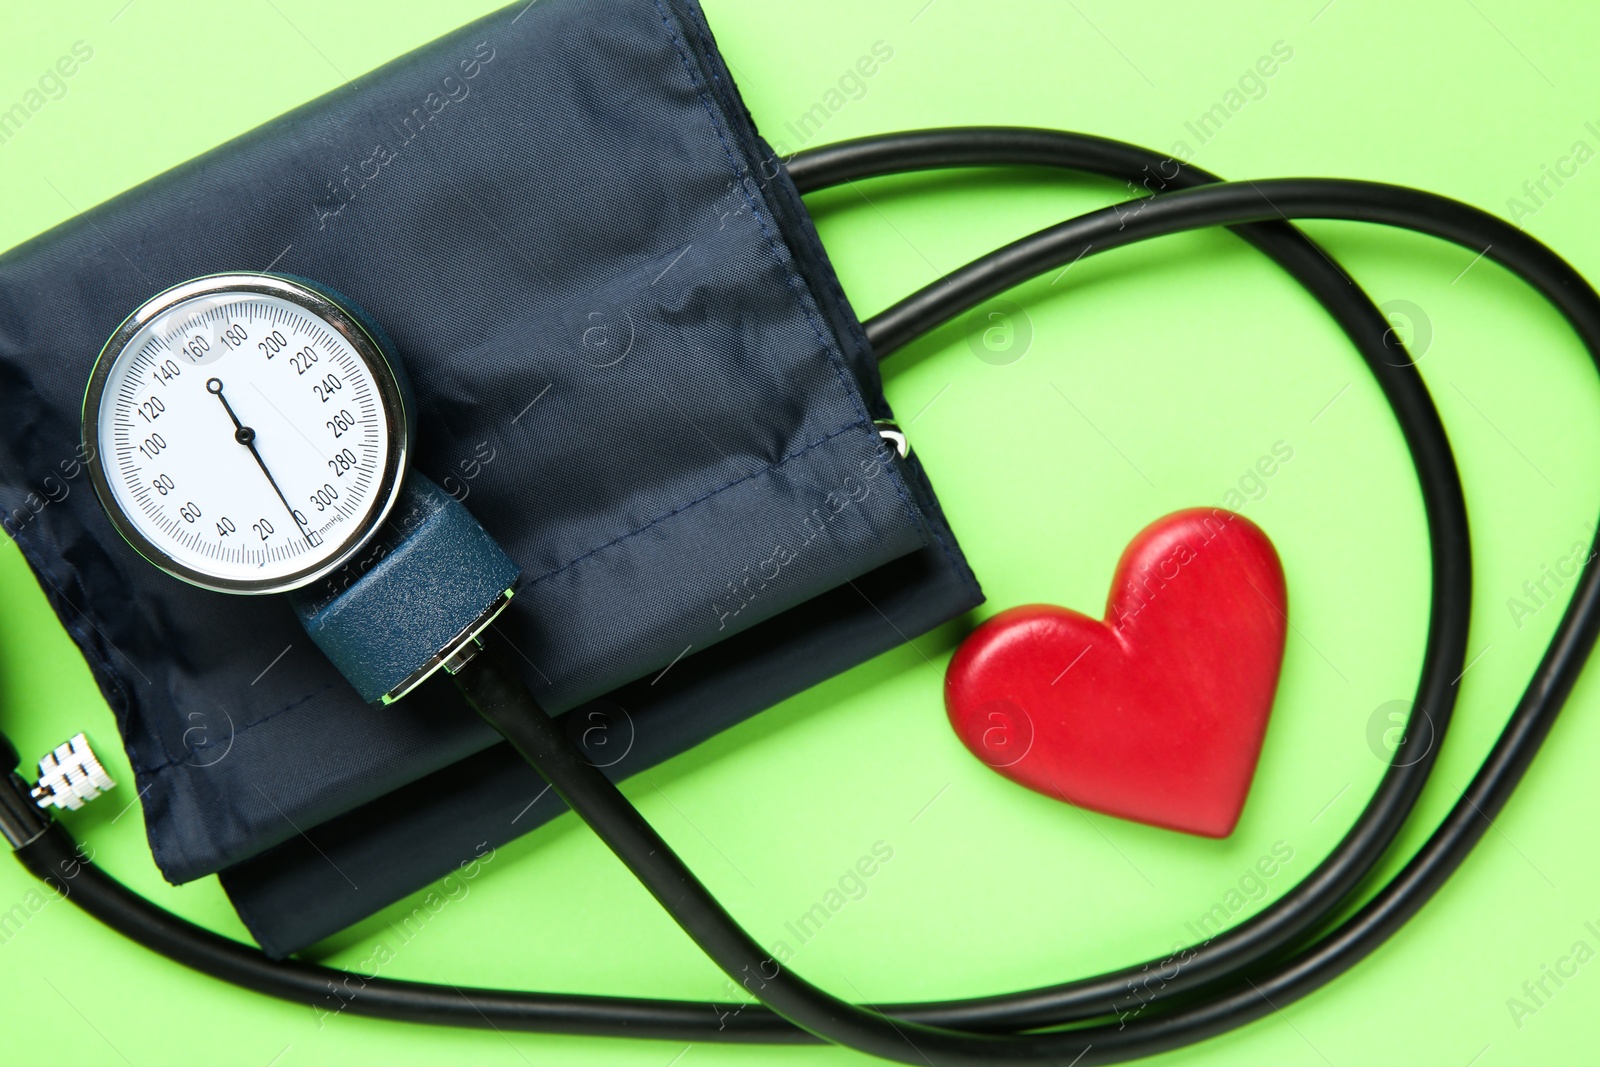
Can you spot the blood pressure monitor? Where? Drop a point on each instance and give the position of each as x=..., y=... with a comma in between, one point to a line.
x=250, y=433
x=253, y=433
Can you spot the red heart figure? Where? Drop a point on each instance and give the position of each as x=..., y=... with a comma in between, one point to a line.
x=1156, y=714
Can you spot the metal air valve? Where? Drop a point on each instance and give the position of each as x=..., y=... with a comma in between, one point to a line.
x=71, y=776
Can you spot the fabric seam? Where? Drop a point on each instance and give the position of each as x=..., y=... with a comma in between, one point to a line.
x=962, y=571
x=768, y=469
x=791, y=279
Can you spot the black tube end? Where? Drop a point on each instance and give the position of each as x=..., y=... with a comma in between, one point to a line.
x=21, y=821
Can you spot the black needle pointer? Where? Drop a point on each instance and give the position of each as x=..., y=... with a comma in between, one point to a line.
x=247, y=437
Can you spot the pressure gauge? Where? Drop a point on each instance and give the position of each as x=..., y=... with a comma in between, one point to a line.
x=249, y=434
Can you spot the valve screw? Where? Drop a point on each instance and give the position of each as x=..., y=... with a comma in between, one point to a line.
x=71, y=776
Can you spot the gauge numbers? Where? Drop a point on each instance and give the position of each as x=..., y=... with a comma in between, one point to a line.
x=244, y=441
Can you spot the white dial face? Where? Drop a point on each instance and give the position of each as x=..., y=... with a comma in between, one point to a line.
x=245, y=439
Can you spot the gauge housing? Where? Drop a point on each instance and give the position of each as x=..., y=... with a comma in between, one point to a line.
x=371, y=346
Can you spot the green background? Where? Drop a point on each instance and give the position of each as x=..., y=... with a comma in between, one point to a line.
x=1135, y=384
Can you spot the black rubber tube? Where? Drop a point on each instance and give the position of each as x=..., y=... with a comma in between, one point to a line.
x=509, y=707
x=1355, y=938
x=1314, y=898
x=54, y=858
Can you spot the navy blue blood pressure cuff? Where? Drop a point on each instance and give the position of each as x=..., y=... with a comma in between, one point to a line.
x=632, y=363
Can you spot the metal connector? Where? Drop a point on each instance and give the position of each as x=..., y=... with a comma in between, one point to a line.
x=71, y=776
x=456, y=654
x=894, y=436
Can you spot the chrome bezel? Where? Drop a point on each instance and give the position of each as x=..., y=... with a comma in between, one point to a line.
x=391, y=397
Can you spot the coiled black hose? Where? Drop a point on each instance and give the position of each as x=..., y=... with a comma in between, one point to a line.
x=1243, y=974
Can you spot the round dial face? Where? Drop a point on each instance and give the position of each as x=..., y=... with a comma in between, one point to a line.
x=249, y=434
